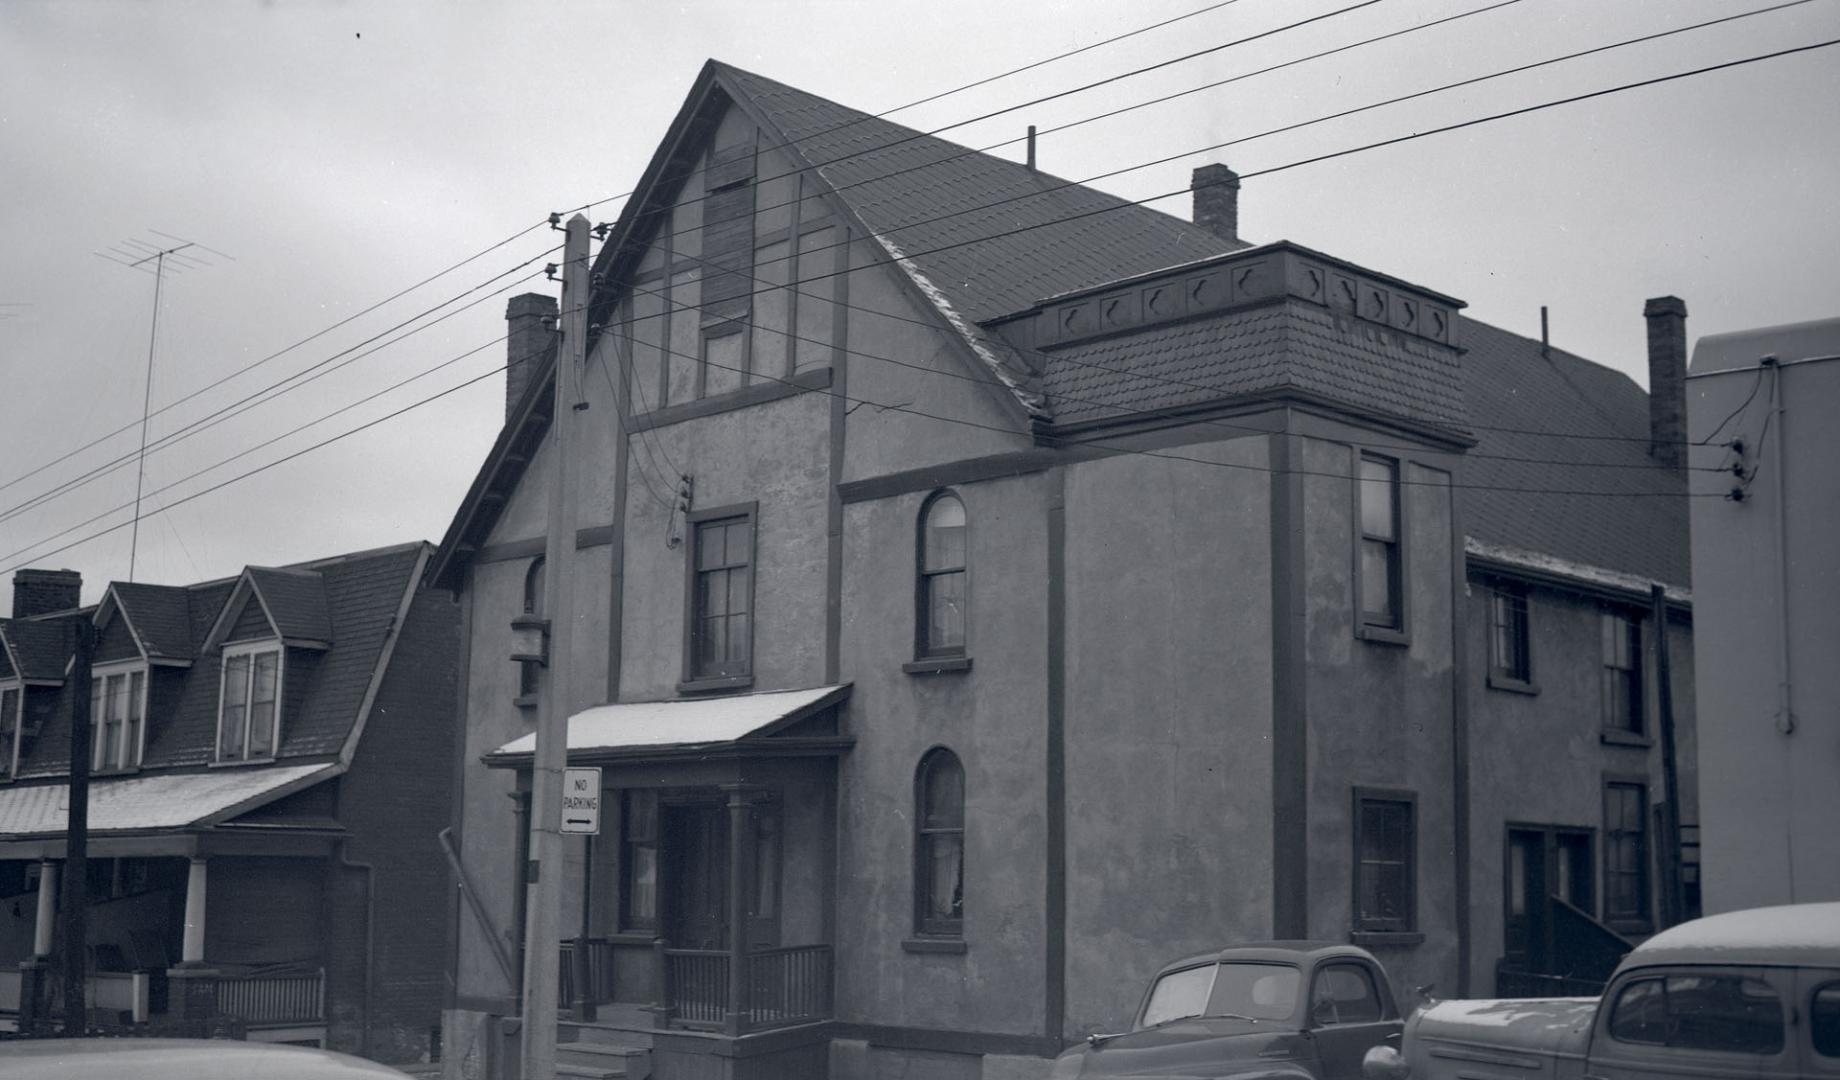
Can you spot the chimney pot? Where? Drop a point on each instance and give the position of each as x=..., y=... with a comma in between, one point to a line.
x=1216, y=190
x=531, y=322
x=40, y=592
x=1667, y=380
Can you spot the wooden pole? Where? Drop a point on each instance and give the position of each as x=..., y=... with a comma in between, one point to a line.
x=75, y=893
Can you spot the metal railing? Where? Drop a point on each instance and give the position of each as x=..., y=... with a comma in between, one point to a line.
x=788, y=986
x=274, y=999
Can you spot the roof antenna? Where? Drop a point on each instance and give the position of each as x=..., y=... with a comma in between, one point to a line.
x=1545, y=337
x=1031, y=147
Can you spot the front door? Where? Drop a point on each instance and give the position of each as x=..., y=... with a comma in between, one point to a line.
x=1529, y=931
x=696, y=876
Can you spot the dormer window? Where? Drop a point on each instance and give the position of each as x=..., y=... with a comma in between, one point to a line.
x=12, y=718
x=249, y=704
x=117, y=717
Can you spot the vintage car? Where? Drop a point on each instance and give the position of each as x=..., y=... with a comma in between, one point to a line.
x=1746, y=994
x=1281, y=1009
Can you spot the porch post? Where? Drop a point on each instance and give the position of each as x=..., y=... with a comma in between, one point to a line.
x=47, y=908
x=739, y=804
x=192, y=951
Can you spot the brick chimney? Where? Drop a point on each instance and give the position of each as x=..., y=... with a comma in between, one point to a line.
x=531, y=319
x=1667, y=380
x=1216, y=189
x=38, y=592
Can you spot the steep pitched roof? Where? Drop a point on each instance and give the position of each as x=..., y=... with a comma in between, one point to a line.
x=160, y=615
x=1585, y=488
x=37, y=648
x=295, y=601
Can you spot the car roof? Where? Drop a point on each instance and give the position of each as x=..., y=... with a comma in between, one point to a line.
x=1797, y=935
x=181, y=1059
x=1301, y=953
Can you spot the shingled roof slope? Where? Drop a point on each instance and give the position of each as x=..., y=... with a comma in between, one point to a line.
x=296, y=601
x=1626, y=512
x=41, y=646
x=161, y=616
x=1286, y=347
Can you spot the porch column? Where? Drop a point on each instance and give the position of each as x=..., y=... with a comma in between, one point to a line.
x=192, y=951
x=740, y=804
x=47, y=908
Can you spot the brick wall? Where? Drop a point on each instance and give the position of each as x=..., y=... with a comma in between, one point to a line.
x=36, y=592
x=395, y=800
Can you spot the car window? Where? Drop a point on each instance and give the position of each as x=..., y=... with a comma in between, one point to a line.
x=1824, y=1019
x=1727, y=1013
x=1344, y=994
x=1179, y=994
x=1261, y=991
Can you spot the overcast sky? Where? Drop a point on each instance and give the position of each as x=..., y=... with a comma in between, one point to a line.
x=330, y=155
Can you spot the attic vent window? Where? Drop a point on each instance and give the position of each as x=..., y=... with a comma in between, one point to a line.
x=249, y=706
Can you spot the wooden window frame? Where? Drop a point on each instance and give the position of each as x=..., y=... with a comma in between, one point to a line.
x=1375, y=930
x=129, y=757
x=695, y=681
x=647, y=838
x=250, y=649
x=1396, y=629
x=926, y=926
x=530, y=672
x=9, y=763
x=1635, y=694
x=927, y=656
x=1642, y=921
x=1514, y=673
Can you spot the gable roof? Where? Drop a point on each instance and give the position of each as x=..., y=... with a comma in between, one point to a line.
x=36, y=649
x=361, y=596
x=1585, y=488
x=160, y=617
x=292, y=601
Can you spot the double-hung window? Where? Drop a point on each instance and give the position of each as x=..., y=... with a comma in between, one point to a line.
x=720, y=639
x=117, y=717
x=1385, y=873
x=939, y=845
x=12, y=719
x=249, y=708
x=1621, y=683
x=1626, y=855
x=1510, y=653
x=1382, y=592
x=939, y=596
x=639, y=860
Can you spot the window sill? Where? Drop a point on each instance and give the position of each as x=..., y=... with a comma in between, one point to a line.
x=715, y=685
x=951, y=946
x=937, y=665
x=1626, y=738
x=526, y=701
x=104, y=774
x=1512, y=685
x=1382, y=635
x=237, y=763
x=633, y=936
x=1385, y=937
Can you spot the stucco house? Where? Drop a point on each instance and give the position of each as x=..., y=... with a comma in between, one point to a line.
x=269, y=779
x=989, y=589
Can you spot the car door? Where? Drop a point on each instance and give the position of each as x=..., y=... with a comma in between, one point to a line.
x=1818, y=993
x=1696, y=1023
x=1347, y=1017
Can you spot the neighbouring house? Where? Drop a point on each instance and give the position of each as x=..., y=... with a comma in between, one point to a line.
x=271, y=770
x=1768, y=689
x=989, y=589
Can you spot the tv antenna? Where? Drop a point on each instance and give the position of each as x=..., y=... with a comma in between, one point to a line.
x=167, y=254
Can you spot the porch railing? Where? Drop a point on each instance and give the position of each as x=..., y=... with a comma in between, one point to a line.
x=293, y=998
x=586, y=970
x=780, y=986
x=788, y=986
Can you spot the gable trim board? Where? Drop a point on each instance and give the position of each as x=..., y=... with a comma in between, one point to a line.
x=382, y=668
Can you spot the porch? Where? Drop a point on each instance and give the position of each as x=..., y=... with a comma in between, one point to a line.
x=706, y=903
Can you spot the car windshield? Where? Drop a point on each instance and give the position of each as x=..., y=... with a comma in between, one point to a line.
x=1255, y=991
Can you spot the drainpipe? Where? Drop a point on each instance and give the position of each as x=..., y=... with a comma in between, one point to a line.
x=370, y=938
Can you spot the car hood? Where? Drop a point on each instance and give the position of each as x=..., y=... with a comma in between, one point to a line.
x=1188, y=1048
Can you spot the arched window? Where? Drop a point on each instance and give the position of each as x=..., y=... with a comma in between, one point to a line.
x=528, y=671
x=939, y=592
x=939, y=845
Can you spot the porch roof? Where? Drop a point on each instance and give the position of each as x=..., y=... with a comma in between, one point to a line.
x=685, y=722
x=151, y=803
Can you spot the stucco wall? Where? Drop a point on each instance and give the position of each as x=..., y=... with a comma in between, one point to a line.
x=993, y=718
x=1168, y=717
x=1379, y=712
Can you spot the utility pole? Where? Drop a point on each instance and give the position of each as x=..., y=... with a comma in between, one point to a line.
x=543, y=910
x=75, y=894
